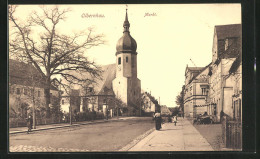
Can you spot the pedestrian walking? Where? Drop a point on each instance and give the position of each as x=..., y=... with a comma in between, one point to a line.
x=175, y=120
x=29, y=124
x=158, y=121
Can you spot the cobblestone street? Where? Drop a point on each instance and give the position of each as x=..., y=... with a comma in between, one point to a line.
x=25, y=148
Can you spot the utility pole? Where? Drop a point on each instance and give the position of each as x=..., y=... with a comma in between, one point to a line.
x=70, y=110
x=33, y=96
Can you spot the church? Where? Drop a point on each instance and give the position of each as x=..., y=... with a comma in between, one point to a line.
x=119, y=82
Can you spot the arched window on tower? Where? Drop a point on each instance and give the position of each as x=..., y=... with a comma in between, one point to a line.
x=119, y=61
x=126, y=59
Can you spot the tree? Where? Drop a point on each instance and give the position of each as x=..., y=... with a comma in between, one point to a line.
x=52, y=53
x=180, y=99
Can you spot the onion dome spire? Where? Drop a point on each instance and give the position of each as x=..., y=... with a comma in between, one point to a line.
x=126, y=44
x=126, y=24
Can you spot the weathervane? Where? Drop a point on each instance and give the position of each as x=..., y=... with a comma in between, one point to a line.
x=126, y=7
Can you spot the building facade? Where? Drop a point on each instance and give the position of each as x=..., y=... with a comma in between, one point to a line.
x=217, y=88
x=196, y=90
x=226, y=49
x=150, y=104
x=26, y=89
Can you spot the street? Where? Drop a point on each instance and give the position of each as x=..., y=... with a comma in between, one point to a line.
x=108, y=136
x=129, y=134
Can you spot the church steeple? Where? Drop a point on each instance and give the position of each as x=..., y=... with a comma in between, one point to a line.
x=126, y=24
x=126, y=44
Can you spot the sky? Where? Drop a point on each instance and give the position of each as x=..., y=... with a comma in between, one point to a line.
x=165, y=42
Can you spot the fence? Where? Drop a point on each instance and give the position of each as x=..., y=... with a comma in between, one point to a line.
x=232, y=134
x=86, y=116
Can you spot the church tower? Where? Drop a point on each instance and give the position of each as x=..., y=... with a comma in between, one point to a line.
x=126, y=85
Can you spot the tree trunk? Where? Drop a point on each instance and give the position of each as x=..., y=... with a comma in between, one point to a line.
x=47, y=102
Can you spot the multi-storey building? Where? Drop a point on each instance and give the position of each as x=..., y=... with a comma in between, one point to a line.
x=226, y=48
x=196, y=90
x=26, y=88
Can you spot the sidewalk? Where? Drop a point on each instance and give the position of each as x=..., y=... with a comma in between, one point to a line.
x=63, y=125
x=183, y=137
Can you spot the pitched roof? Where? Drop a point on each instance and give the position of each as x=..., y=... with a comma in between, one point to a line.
x=225, y=31
x=151, y=98
x=103, y=85
x=236, y=64
x=201, y=70
x=25, y=74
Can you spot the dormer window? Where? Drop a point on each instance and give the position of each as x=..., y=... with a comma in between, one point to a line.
x=119, y=61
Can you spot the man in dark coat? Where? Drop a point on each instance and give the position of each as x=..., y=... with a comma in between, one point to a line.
x=29, y=123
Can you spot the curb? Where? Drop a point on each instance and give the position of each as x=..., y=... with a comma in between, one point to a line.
x=136, y=140
x=64, y=126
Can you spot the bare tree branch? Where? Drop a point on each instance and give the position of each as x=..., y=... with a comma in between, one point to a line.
x=53, y=53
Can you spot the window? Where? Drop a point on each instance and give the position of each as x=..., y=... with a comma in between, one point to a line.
x=126, y=59
x=39, y=93
x=18, y=91
x=204, y=91
x=226, y=44
x=62, y=101
x=119, y=61
x=25, y=91
x=88, y=89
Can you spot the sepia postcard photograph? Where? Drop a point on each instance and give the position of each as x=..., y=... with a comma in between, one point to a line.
x=125, y=77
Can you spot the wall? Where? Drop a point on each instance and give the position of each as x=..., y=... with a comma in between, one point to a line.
x=134, y=91
x=26, y=96
x=120, y=88
x=227, y=101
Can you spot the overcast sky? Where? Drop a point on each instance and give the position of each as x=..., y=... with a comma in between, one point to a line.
x=165, y=42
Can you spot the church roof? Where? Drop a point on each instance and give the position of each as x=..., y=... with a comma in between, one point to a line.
x=103, y=85
x=126, y=44
x=228, y=31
